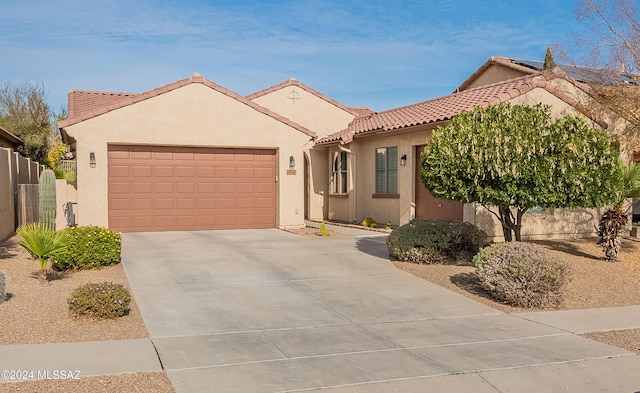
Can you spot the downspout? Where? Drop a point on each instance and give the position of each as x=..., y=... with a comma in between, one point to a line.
x=352, y=179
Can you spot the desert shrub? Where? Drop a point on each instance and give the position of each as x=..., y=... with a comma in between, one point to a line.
x=88, y=247
x=369, y=222
x=522, y=274
x=3, y=288
x=435, y=241
x=105, y=300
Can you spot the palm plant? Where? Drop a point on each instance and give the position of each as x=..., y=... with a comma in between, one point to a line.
x=42, y=244
x=616, y=218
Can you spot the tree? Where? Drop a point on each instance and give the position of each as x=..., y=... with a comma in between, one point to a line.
x=606, y=56
x=549, y=62
x=517, y=158
x=614, y=219
x=25, y=112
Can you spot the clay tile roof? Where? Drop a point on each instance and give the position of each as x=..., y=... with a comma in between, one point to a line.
x=84, y=105
x=81, y=101
x=294, y=82
x=444, y=108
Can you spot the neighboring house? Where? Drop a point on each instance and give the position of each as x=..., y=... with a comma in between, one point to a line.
x=193, y=155
x=9, y=140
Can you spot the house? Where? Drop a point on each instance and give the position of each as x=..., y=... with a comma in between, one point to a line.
x=193, y=155
x=9, y=140
x=382, y=153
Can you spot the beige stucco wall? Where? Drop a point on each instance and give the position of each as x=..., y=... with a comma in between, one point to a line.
x=7, y=178
x=307, y=109
x=193, y=115
x=397, y=210
x=65, y=192
x=552, y=223
x=321, y=117
x=317, y=184
x=548, y=224
x=494, y=73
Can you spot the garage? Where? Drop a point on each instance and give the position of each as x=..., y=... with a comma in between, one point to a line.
x=427, y=206
x=165, y=188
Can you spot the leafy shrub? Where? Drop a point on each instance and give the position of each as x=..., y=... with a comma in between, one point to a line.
x=435, y=241
x=522, y=274
x=88, y=247
x=369, y=222
x=105, y=300
x=3, y=288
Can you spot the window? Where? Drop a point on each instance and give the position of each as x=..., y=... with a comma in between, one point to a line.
x=339, y=173
x=387, y=170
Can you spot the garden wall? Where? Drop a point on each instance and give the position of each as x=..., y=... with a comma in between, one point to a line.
x=14, y=170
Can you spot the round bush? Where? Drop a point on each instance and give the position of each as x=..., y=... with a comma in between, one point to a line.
x=435, y=241
x=522, y=274
x=89, y=247
x=105, y=300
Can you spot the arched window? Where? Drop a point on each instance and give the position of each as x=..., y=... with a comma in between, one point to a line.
x=339, y=173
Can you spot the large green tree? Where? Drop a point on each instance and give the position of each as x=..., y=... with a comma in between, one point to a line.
x=518, y=157
x=25, y=112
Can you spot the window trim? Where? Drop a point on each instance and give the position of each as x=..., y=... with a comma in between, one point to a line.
x=389, y=172
x=339, y=173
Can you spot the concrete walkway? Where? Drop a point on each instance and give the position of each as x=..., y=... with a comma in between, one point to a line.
x=270, y=311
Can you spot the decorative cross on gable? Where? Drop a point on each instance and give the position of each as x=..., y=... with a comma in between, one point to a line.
x=293, y=96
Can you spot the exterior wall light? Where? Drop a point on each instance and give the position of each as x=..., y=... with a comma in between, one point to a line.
x=403, y=160
x=92, y=160
x=292, y=162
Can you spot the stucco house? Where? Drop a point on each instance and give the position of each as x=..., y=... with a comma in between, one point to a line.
x=193, y=155
x=382, y=154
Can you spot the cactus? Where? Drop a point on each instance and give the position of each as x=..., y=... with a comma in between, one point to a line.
x=3, y=288
x=48, y=199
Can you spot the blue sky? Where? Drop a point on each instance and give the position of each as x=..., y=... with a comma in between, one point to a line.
x=375, y=54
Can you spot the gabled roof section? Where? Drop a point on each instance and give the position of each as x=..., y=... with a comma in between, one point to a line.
x=107, y=102
x=294, y=82
x=10, y=137
x=444, y=108
x=578, y=73
x=503, y=61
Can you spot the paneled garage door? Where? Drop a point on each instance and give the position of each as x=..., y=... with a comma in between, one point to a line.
x=158, y=188
x=429, y=207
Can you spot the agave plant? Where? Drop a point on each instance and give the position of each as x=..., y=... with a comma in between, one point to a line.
x=42, y=244
x=614, y=219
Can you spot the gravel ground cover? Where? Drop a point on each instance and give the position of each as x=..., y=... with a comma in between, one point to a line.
x=38, y=314
x=595, y=283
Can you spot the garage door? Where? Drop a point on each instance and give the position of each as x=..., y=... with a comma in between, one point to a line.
x=427, y=206
x=158, y=188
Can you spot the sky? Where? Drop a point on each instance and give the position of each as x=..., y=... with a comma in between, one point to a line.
x=374, y=54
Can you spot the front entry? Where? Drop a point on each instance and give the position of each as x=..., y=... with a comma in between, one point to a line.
x=427, y=206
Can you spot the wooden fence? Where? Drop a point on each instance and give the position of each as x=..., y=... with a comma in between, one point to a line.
x=15, y=170
x=28, y=203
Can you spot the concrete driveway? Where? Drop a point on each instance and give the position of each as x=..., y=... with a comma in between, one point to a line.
x=270, y=311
